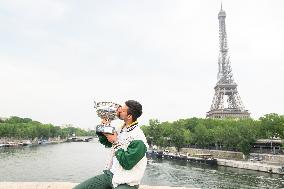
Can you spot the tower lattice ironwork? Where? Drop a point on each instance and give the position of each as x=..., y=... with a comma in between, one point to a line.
x=226, y=101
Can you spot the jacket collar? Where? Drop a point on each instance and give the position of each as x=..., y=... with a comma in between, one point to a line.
x=131, y=126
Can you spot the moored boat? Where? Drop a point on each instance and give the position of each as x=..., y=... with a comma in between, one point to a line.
x=26, y=142
x=197, y=158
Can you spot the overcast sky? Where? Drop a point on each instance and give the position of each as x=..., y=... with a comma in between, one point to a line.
x=58, y=56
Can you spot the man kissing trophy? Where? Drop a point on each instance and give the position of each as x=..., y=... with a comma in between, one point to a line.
x=107, y=111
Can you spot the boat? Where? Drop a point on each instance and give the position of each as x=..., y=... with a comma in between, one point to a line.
x=152, y=154
x=197, y=158
x=203, y=158
x=26, y=142
x=43, y=141
x=76, y=139
x=11, y=144
x=88, y=139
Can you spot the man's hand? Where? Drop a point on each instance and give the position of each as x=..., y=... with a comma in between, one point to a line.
x=112, y=138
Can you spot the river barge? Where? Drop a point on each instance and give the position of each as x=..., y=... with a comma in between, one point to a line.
x=197, y=158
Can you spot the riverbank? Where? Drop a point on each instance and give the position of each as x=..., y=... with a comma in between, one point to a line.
x=250, y=165
x=10, y=142
x=63, y=185
x=265, y=162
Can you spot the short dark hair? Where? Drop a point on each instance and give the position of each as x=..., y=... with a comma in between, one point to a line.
x=134, y=109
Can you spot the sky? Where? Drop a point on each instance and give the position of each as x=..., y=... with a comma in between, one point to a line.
x=58, y=56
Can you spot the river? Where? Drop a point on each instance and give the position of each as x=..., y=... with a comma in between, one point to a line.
x=75, y=162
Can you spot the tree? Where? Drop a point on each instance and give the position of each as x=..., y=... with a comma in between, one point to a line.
x=272, y=125
x=155, y=131
x=26, y=128
x=180, y=136
x=201, y=135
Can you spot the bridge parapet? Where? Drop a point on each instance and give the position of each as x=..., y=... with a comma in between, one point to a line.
x=63, y=185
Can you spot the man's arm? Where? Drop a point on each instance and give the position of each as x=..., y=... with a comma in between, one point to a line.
x=103, y=140
x=135, y=152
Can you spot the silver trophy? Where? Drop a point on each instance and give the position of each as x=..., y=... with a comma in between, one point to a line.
x=108, y=112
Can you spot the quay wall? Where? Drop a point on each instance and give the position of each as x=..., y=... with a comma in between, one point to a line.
x=270, y=158
x=216, y=153
x=16, y=141
x=63, y=185
x=267, y=162
x=265, y=158
x=249, y=165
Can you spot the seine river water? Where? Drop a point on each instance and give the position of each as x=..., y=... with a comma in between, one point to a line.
x=75, y=162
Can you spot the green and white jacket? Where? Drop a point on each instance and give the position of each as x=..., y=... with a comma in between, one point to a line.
x=128, y=158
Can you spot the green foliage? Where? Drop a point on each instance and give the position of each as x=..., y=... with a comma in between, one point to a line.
x=225, y=134
x=272, y=125
x=26, y=128
x=179, y=136
x=154, y=131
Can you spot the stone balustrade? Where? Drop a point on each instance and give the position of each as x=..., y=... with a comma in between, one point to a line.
x=63, y=185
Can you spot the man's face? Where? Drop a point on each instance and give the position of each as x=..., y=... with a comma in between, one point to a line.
x=122, y=113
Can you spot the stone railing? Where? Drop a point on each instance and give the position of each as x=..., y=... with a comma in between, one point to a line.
x=63, y=185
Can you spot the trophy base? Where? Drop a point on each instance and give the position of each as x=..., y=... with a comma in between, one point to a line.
x=105, y=129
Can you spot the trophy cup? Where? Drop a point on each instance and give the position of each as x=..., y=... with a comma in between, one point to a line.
x=108, y=112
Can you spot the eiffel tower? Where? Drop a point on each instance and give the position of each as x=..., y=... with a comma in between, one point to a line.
x=226, y=101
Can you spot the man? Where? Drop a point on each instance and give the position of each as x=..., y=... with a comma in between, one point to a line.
x=128, y=158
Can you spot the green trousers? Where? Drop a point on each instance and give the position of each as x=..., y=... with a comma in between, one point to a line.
x=103, y=181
